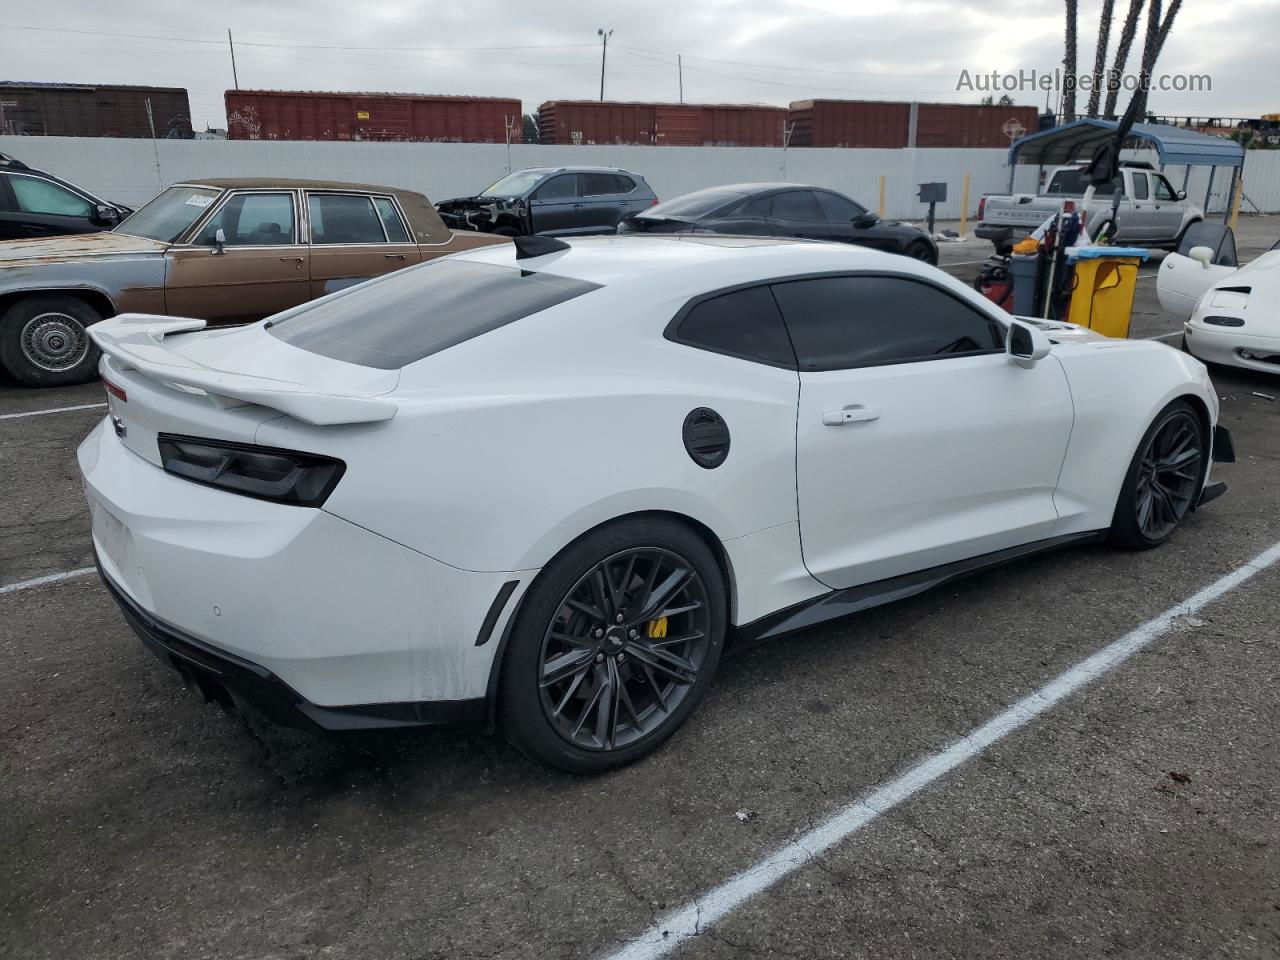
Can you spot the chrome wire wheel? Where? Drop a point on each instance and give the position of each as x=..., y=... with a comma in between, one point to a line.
x=54, y=341
x=624, y=648
x=1168, y=475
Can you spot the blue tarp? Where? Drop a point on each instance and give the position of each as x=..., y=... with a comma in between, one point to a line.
x=1076, y=142
x=1106, y=253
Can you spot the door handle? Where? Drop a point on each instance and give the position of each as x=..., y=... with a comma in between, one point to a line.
x=291, y=259
x=852, y=413
x=393, y=256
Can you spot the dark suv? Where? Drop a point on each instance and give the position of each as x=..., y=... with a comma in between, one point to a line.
x=38, y=204
x=552, y=200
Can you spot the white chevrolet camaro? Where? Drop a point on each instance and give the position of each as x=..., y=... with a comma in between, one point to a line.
x=541, y=485
x=1231, y=315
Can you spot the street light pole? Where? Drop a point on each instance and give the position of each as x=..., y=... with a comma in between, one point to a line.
x=604, y=52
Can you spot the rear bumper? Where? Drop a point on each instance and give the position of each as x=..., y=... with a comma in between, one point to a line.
x=218, y=674
x=339, y=615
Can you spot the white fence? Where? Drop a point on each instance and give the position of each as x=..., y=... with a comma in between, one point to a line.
x=132, y=171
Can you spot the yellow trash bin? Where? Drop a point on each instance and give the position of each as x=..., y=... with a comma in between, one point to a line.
x=1102, y=286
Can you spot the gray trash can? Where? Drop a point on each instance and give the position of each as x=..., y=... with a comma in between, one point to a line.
x=1024, y=271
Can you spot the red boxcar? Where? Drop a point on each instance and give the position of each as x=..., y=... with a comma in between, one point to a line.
x=306, y=115
x=967, y=125
x=874, y=123
x=849, y=123
x=660, y=124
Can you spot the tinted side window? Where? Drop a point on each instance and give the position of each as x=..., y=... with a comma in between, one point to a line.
x=336, y=218
x=1140, y=191
x=745, y=323
x=598, y=184
x=563, y=187
x=623, y=184
x=796, y=205
x=252, y=220
x=43, y=197
x=838, y=209
x=760, y=207
x=391, y=222
x=841, y=322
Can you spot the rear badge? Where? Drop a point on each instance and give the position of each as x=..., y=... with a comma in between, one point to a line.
x=119, y=426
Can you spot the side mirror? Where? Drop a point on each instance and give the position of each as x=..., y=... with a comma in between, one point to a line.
x=219, y=241
x=1202, y=256
x=864, y=220
x=105, y=216
x=1026, y=345
x=1182, y=194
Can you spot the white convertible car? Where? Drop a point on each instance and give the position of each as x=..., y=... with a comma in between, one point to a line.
x=1231, y=315
x=542, y=485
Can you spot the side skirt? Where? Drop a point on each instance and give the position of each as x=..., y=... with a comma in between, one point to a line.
x=841, y=603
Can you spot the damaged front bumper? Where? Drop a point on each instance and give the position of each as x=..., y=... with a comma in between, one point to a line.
x=484, y=214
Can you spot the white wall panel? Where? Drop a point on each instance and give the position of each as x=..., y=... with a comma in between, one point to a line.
x=132, y=171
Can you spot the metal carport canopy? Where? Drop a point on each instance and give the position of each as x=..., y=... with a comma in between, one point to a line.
x=1077, y=141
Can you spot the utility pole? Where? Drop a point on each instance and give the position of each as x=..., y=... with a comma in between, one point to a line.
x=604, y=52
x=231, y=43
x=680, y=70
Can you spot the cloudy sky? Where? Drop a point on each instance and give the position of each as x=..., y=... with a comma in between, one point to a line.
x=747, y=51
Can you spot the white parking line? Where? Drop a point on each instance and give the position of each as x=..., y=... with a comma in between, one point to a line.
x=713, y=906
x=41, y=413
x=51, y=578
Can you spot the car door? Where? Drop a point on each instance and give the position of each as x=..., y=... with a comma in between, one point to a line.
x=795, y=213
x=1166, y=209
x=603, y=203
x=1139, y=224
x=35, y=207
x=355, y=237
x=917, y=442
x=840, y=213
x=261, y=269
x=556, y=205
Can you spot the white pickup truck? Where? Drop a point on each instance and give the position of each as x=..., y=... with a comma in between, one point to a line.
x=1152, y=213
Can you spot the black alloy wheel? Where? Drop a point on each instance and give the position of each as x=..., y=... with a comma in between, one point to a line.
x=613, y=646
x=624, y=649
x=1163, y=480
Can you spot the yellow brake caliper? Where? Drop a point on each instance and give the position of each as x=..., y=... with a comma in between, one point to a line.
x=658, y=628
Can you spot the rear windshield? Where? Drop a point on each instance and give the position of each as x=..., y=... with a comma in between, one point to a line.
x=1073, y=183
x=390, y=322
x=694, y=205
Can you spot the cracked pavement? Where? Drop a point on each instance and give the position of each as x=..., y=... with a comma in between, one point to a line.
x=137, y=823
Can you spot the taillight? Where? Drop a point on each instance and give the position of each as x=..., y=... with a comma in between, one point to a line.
x=115, y=391
x=283, y=476
x=982, y=206
x=654, y=202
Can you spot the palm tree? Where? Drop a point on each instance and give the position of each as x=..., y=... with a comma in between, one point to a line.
x=1069, y=65
x=1100, y=57
x=1122, y=56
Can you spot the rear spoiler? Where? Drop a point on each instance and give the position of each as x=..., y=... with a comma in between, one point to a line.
x=135, y=341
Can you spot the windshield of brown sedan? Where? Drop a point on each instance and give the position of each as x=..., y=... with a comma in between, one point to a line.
x=169, y=215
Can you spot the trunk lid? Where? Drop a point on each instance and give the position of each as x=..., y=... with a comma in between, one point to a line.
x=178, y=378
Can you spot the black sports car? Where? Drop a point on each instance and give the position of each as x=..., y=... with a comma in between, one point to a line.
x=782, y=210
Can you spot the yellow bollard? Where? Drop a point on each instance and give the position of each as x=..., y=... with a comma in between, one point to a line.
x=964, y=210
x=881, y=213
x=1235, y=201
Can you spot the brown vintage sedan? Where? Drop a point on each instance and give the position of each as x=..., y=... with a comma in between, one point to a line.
x=228, y=251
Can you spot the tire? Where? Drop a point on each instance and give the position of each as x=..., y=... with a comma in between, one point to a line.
x=919, y=250
x=505, y=232
x=593, y=655
x=1154, y=500
x=44, y=341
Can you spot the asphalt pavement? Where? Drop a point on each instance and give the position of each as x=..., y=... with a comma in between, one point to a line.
x=1137, y=817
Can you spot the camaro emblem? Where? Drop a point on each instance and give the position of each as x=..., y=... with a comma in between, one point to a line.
x=119, y=426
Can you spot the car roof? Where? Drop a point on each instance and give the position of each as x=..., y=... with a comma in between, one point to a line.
x=577, y=169
x=690, y=264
